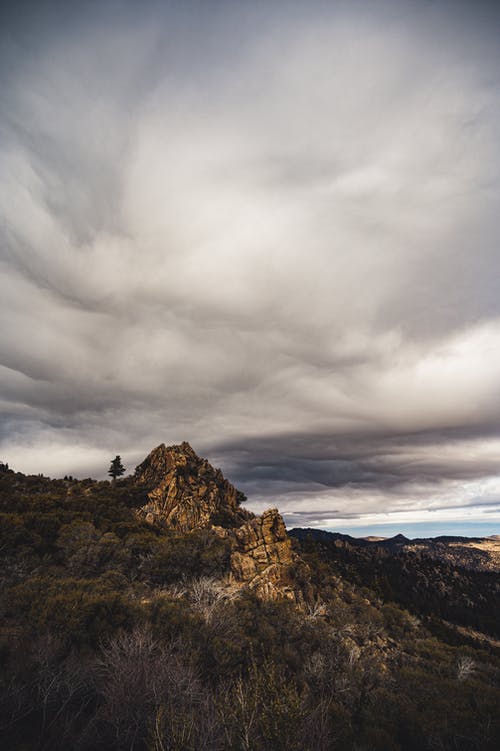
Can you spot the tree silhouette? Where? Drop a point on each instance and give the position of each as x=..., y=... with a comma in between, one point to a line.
x=116, y=468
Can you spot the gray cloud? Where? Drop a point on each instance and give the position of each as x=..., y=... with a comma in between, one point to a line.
x=268, y=230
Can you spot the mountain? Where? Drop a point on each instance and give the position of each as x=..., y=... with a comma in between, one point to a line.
x=474, y=553
x=155, y=612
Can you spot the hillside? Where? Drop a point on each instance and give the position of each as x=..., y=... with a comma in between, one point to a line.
x=474, y=553
x=155, y=612
x=438, y=580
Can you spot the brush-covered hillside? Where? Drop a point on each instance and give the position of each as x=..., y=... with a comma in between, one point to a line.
x=156, y=613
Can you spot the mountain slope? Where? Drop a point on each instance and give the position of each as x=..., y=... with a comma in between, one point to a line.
x=419, y=575
x=210, y=629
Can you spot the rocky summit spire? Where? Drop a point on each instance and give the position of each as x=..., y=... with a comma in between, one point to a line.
x=185, y=493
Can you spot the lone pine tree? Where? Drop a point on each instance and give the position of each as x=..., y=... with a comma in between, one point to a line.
x=116, y=468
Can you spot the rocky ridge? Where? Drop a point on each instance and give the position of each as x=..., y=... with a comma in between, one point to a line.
x=185, y=493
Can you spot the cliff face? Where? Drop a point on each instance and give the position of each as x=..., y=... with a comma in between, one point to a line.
x=185, y=492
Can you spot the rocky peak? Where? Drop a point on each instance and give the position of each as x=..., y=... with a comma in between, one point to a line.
x=161, y=460
x=185, y=492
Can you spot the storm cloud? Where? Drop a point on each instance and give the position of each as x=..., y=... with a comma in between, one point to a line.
x=270, y=229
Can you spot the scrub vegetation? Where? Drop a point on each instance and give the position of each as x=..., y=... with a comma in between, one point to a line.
x=116, y=634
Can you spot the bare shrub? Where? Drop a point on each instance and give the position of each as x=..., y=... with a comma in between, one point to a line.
x=206, y=594
x=466, y=666
x=316, y=609
x=138, y=676
x=263, y=711
x=192, y=727
x=55, y=702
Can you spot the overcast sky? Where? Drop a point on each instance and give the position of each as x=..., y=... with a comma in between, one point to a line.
x=268, y=228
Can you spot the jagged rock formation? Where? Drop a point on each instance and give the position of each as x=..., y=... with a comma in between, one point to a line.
x=185, y=492
x=263, y=558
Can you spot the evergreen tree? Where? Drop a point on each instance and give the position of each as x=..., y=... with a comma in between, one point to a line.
x=116, y=468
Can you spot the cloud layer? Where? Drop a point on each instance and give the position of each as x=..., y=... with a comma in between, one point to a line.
x=269, y=230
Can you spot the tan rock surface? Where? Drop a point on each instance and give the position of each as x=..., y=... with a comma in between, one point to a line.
x=186, y=492
x=263, y=558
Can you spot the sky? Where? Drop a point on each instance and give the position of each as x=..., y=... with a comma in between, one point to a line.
x=268, y=228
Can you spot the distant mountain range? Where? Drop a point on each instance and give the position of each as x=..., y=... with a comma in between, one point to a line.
x=475, y=553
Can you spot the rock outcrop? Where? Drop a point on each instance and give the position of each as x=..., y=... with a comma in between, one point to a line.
x=185, y=493
x=263, y=558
